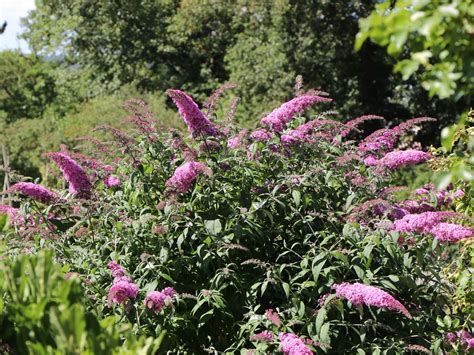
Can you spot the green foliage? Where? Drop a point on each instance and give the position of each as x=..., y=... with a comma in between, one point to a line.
x=438, y=35
x=27, y=86
x=268, y=230
x=43, y=313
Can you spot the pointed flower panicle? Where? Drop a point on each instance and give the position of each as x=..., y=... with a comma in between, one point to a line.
x=261, y=135
x=79, y=183
x=352, y=124
x=35, y=191
x=185, y=175
x=265, y=336
x=291, y=344
x=156, y=300
x=451, y=232
x=279, y=117
x=396, y=159
x=116, y=269
x=13, y=213
x=404, y=126
x=421, y=222
x=383, y=138
x=122, y=291
x=359, y=294
x=198, y=124
x=273, y=317
x=111, y=182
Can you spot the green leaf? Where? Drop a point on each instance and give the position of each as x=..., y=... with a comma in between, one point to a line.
x=320, y=318
x=214, y=226
x=296, y=197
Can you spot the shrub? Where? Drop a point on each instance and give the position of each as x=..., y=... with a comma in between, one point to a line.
x=290, y=240
x=44, y=312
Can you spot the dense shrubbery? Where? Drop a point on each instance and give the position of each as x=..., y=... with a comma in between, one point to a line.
x=232, y=240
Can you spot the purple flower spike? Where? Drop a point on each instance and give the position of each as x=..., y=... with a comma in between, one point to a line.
x=359, y=294
x=35, y=191
x=277, y=119
x=79, y=183
x=198, y=124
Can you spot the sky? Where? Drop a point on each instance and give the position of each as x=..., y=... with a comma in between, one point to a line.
x=11, y=11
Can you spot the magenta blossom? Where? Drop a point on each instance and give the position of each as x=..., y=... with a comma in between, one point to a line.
x=265, y=335
x=451, y=233
x=35, y=191
x=293, y=345
x=184, y=176
x=278, y=118
x=261, y=135
x=156, y=300
x=116, y=269
x=13, y=213
x=359, y=294
x=79, y=183
x=421, y=222
x=112, y=181
x=122, y=291
x=273, y=317
x=370, y=160
x=198, y=124
x=396, y=159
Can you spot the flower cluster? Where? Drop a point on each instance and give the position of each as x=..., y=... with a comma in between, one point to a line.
x=261, y=135
x=265, y=335
x=79, y=183
x=450, y=232
x=462, y=337
x=156, y=300
x=422, y=222
x=122, y=289
x=279, y=117
x=396, y=159
x=359, y=294
x=293, y=345
x=112, y=181
x=184, y=176
x=198, y=124
x=35, y=191
x=273, y=317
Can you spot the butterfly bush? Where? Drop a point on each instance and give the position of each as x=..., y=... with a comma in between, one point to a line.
x=198, y=124
x=451, y=232
x=292, y=345
x=396, y=159
x=112, y=181
x=260, y=253
x=184, y=176
x=156, y=300
x=360, y=294
x=79, y=183
x=265, y=335
x=35, y=191
x=279, y=117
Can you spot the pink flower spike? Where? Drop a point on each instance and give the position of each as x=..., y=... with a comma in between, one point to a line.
x=261, y=135
x=359, y=294
x=291, y=344
x=122, y=291
x=35, y=191
x=278, y=118
x=265, y=336
x=184, y=176
x=396, y=159
x=198, y=124
x=79, y=183
x=273, y=317
x=111, y=182
x=451, y=233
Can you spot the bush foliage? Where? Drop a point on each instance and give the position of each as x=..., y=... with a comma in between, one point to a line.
x=253, y=230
